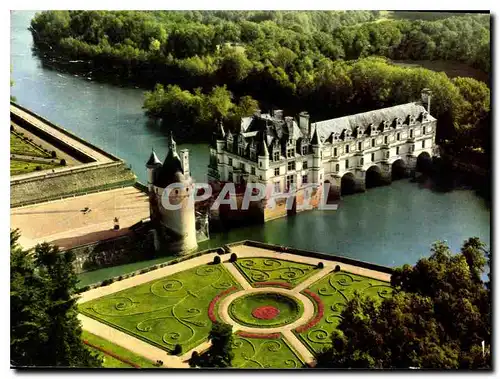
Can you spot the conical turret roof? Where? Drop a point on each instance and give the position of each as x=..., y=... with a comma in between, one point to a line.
x=171, y=170
x=315, y=139
x=263, y=151
x=153, y=160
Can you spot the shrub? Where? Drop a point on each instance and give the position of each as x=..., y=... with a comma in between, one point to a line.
x=159, y=363
x=119, y=278
x=321, y=265
x=233, y=258
x=83, y=289
x=53, y=154
x=106, y=282
x=38, y=168
x=63, y=162
x=177, y=349
x=337, y=268
x=216, y=259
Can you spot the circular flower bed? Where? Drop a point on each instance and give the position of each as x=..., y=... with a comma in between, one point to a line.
x=266, y=312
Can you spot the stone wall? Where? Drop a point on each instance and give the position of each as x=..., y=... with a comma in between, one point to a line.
x=134, y=247
x=76, y=181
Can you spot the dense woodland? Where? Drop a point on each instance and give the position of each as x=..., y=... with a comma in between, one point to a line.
x=439, y=319
x=211, y=65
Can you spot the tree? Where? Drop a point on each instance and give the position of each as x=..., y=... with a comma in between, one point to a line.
x=45, y=330
x=438, y=319
x=220, y=353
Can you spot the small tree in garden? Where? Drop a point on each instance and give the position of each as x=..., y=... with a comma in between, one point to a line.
x=220, y=354
x=216, y=260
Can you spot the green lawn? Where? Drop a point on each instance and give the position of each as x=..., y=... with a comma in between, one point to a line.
x=21, y=146
x=111, y=362
x=21, y=167
x=169, y=311
x=287, y=310
x=335, y=290
x=263, y=353
x=257, y=270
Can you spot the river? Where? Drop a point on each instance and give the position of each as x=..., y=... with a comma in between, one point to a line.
x=387, y=225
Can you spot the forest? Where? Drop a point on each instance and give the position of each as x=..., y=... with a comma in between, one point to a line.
x=211, y=65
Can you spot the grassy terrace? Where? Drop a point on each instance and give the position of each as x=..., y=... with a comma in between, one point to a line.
x=263, y=353
x=334, y=290
x=169, y=311
x=19, y=145
x=259, y=270
x=22, y=167
x=123, y=355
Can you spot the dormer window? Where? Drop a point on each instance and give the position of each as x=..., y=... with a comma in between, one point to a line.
x=373, y=131
x=361, y=132
x=424, y=115
x=399, y=122
x=290, y=152
x=304, y=149
x=386, y=126
x=276, y=156
x=241, y=150
x=412, y=120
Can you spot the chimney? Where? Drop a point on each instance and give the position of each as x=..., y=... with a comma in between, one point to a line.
x=185, y=162
x=278, y=114
x=426, y=95
x=257, y=113
x=304, y=124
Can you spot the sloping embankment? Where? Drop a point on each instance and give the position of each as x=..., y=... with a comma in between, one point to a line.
x=76, y=181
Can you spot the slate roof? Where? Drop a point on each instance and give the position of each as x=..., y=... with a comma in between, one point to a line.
x=153, y=160
x=374, y=118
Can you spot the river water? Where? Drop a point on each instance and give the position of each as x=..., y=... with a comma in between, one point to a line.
x=387, y=225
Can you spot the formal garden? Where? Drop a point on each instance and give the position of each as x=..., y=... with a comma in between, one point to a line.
x=273, y=272
x=176, y=313
x=27, y=156
x=329, y=295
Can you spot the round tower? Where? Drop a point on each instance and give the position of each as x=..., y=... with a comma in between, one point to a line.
x=174, y=213
x=152, y=165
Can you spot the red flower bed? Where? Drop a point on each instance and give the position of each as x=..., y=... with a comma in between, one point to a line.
x=211, y=306
x=111, y=354
x=278, y=284
x=319, y=314
x=258, y=335
x=266, y=312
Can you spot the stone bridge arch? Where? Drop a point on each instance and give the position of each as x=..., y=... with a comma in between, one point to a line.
x=399, y=169
x=424, y=162
x=374, y=177
x=348, y=183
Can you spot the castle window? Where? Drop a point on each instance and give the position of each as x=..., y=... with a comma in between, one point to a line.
x=241, y=150
x=290, y=153
x=291, y=166
x=334, y=151
x=304, y=150
x=398, y=136
x=242, y=166
x=289, y=182
x=252, y=154
x=230, y=161
x=411, y=133
x=253, y=170
x=346, y=149
x=361, y=161
x=337, y=167
x=260, y=164
x=385, y=140
x=423, y=144
x=373, y=157
x=230, y=177
x=304, y=179
x=359, y=145
x=347, y=163
x=276, y=156
x=397, y=150
x=387, y=155
x=277, y=171
x=277, y=187
x=373, y=142
x=304, y=165
x=260, y=177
